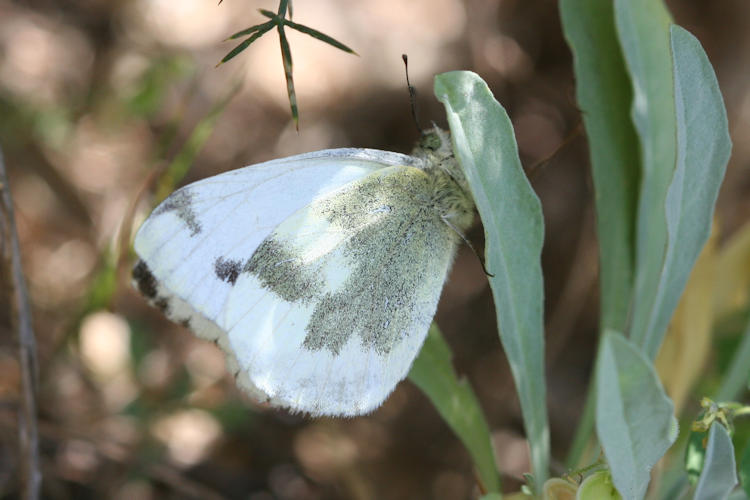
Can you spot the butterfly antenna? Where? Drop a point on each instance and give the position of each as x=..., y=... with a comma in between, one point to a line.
x=412, y=95
x=468, y=244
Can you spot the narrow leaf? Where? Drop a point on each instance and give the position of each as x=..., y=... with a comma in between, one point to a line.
x=277, y=18
x=703, y=148
x=320, y=36
x=604, y=96
x=719, y=475
x=643, y=31
x=286, y=56
x=454, y=399
x=283, y=4
x=634, y=418
x=245, y=44
x=485, y=146
x=252, y=29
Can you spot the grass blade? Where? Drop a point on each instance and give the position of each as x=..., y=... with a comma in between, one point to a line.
x=454, y=399
x=245, y=44
x=320, y=36
x=286, y=55
x=252, y=29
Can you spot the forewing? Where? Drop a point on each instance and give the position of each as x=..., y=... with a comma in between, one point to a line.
x=327, y=315
x=192, y=245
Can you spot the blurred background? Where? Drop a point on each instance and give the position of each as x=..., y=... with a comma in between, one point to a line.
x=95, y=95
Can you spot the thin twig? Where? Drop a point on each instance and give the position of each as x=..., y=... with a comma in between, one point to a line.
x=20, y=314
x=534, y=170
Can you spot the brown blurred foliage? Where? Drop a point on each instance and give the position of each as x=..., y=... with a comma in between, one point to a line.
x=96, y=94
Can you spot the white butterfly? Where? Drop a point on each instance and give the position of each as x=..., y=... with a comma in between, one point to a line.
x=318, y=274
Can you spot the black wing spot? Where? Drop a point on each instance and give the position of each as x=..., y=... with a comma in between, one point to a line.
x=144, y=279
x=162, y=303
x=227, y=270
x=181, y=202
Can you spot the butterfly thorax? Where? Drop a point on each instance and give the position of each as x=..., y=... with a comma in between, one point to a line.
x=450, y=192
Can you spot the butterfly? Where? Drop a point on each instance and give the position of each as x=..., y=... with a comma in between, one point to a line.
x=317, y=274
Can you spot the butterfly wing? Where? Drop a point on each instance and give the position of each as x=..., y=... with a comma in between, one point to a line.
x=327, y=315
x=191, y=243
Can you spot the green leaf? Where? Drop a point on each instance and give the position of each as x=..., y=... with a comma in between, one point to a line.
x=719, y=475
x=272, y=15
x=604, y=95
x=286, y=56
x=245, y=44
x=703, y=147
x=279, y=20
x=643, y=30
x=634, y=418
x=454, y=399
x=745, y=470
x=252, y=29
x=485, y=146
x=320, y=36
x=283, y=4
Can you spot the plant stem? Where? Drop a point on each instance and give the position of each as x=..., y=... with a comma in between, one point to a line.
x=20, y=314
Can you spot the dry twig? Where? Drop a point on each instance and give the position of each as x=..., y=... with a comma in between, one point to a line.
x=20, y=314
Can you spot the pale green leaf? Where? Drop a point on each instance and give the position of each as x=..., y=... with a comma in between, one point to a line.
x=485, y=146
x=454, y=399
x=604, y=97
x=643, y=31
x=719, y=475
x=634, y=419
x=703, y=147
